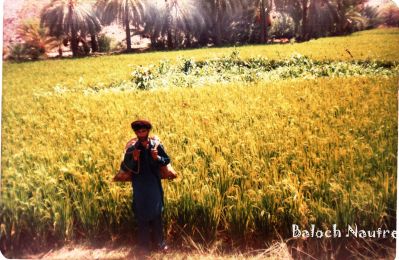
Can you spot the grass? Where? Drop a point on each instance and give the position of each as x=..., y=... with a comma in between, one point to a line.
x=252, y=158
x=378, y=44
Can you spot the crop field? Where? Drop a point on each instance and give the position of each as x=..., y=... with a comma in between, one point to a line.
x=262, y=137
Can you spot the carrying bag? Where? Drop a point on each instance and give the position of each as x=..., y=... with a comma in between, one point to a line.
x=167, y=172
x=123, y=176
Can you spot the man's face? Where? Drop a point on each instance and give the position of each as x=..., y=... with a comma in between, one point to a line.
x=142, y=133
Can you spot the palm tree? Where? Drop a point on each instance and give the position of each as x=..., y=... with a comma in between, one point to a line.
x=265, y=6
x=218, y=9
x=293, y=9
x=242, y=26
x=71, y=19
x=347, y=14
x=356, y=21
x=371, y=14
x=175, y=21
x=389, y=14
x=322, y=17
x=124, y=12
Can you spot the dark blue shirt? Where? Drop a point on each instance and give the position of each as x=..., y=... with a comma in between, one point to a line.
x=147, y=188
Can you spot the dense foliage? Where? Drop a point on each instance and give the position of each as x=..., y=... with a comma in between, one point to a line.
x=174, y=24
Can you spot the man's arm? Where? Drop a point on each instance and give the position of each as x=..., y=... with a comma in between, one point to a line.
x=163, y=158
x=129, y=164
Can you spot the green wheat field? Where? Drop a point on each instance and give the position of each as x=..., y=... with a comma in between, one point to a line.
x=262, y=137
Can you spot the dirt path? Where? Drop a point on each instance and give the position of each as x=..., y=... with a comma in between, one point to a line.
x=276, y=251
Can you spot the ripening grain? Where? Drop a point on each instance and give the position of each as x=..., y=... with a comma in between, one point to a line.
x=250, y=157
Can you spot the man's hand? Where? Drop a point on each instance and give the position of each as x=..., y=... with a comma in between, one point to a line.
x=154, y=154
x=136, y=154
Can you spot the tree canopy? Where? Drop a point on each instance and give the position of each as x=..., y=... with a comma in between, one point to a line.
x=190, y=23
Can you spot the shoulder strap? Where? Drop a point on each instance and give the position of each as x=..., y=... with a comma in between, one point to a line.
x=134, y=140
x=131, y=142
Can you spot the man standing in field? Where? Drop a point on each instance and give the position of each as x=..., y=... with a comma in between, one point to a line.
x=144, y=158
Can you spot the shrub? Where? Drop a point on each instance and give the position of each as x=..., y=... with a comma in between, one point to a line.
x=104, y=43
x=188, y=66
x=36, y=41
x=282, y=26
x=143, y=77
x=16, y=52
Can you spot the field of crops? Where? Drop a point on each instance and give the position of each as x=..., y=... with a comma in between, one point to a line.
x=254, y=154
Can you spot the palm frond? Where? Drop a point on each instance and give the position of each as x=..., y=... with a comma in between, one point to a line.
x=121, y=11
x=62, y=16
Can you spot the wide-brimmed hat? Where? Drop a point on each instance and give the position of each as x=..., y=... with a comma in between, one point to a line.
x=140, y=124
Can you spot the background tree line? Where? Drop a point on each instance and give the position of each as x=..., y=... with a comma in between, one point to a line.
x=172, y=24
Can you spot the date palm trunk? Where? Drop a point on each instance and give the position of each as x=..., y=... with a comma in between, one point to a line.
x=170, y=39
x=305, y=14
x=218, y=36
x=188, y=40
x=218, y=28
x=169, y=24
x=74, y=34
x=127, y=30
x=263, y=26
x=94, y=43
x=74, y=43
